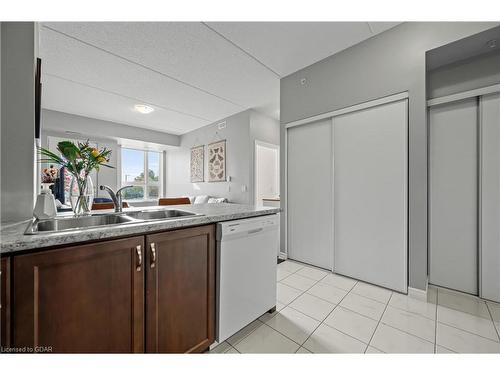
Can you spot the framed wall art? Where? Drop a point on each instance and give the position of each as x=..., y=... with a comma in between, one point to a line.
x=197, y=164
x=217, y=161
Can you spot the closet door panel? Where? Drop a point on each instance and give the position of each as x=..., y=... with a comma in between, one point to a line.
x=490, y=197
x=370, y=195
x=453, y=196
x=310, y=237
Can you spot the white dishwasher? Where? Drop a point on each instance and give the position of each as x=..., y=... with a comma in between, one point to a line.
x=246, y=271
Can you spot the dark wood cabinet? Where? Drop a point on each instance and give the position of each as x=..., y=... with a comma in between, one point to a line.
x=81, y=299
x=180, y=290
x=5, y=303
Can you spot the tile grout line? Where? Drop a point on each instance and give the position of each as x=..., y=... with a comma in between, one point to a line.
x=436, y=321
x=375, y=330
x=338, y=304
x=412, y=312
x=305, y=292
x=301, y=292
x=308, y=337
x=380, y=320
x=493, y=321
x=281, y=333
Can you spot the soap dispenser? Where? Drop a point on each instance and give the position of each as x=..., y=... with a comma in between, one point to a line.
x=45, y=207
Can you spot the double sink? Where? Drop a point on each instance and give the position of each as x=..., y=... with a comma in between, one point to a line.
x=97, y=220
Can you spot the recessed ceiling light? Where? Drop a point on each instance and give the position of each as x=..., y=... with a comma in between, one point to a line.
x=144, y=109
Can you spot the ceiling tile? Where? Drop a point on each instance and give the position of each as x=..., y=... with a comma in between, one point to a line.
x=67, y=58
x=65, y=96
x=379, y=27
x=186, y=51
x=286, y=47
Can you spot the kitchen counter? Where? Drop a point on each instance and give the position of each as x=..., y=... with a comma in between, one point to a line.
x=13, y=239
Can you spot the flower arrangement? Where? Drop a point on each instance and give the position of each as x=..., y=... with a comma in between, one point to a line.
x=79, y=160
x=49, y=175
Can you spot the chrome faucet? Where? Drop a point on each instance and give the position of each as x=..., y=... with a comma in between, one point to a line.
x=116, y=197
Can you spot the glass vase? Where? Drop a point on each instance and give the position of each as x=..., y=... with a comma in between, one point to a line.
x=81, y=195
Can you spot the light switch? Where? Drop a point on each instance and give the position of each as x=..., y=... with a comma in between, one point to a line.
x=243, y=188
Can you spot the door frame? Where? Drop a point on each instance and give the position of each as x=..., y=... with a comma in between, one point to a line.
x=259, y=143
x=478, y=93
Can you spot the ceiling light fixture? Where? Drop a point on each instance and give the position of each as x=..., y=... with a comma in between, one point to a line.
x=144, y=109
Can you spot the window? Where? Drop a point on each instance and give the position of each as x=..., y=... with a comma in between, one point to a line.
x=134, y=165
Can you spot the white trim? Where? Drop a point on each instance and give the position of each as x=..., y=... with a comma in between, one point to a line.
x=354, y=108
x=255, y=168
x=406, y=188
x=419, y=294
x=332, y=158
x=480, y=197
x=285, y=216
x=146, y=182
x=464, y=95
x=283, y=255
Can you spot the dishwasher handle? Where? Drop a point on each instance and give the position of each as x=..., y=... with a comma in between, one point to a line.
x=253, y=231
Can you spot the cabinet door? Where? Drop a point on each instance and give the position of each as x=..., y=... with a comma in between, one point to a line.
x=81, y=299
x=180, y=290
x=5, y=303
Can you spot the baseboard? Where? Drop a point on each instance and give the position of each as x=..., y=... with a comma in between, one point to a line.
x=420, y=294
x=282, y=255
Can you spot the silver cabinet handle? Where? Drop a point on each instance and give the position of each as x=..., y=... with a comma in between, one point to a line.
x=153, y=254
x=138, y=251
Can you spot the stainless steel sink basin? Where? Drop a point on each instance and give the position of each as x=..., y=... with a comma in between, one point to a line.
x=159, y=214
x=81, y=222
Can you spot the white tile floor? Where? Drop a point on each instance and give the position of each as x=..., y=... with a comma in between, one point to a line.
x=320, y=312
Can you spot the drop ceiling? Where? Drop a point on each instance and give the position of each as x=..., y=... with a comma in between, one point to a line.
x=192, y=73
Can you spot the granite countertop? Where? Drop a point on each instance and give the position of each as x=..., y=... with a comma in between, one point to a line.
x=13, y=239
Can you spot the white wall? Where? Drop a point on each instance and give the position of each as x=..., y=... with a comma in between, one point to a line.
x=60, y=121
x=236, y=133
x=465, y=75
x=17, y=120
x=265, y=129
x=240, y=133
x=388, y=63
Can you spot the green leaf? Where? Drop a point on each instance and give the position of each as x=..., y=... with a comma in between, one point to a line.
x=68, y=150
x=51, y=157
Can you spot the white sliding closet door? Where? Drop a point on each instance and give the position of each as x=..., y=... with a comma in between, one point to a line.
x=370, y=195
x=453, y=196
x=309, y=203
x=490, y=197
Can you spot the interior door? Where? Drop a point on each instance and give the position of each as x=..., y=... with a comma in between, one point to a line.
x=310, y=235
x=453, y=196
x=490, y=197
x=370, y=194
x=266, y=171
